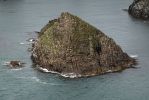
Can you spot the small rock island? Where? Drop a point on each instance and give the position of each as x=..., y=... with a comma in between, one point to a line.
x=14, y=64
x=139, y=9
x=72, y=48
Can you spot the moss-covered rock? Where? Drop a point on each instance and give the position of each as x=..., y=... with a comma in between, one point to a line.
x=139, y=9
x=70, y=46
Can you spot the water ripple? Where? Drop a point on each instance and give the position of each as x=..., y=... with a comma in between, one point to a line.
x=37, y=80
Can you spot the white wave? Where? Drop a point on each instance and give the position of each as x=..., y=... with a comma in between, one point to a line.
x=47, y=71
x=22, y=43
x=25, y=43
x=66, y=75
x=6, y=63
x=16, y=69
x=109, y=71
x=54, y=72
x=70, y=75
x=134, y=56
x=43, y=69
x=31, y=40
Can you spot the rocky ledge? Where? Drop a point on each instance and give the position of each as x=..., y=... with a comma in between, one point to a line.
x=139, y=9
x=72, y=48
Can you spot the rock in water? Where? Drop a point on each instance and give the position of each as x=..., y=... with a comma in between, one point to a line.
x=70, y=46
x=14, y=64
x=139, y=9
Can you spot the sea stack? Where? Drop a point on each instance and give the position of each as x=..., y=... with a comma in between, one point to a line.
x=139, y=9
x=71, y=47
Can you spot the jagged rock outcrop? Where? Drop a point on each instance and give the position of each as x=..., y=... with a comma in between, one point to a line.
x=139, y=9
x=70, y=46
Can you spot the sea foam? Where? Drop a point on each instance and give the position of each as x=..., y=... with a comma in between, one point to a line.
x=66, y=75
x=134, y=56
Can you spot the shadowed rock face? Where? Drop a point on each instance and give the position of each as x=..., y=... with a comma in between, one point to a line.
x=139, y=9
x=70, y=45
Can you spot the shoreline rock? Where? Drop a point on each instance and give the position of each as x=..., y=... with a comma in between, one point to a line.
x=69, y=45
x=139, y=9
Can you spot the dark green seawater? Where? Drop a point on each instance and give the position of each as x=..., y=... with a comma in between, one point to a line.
x=20, y=18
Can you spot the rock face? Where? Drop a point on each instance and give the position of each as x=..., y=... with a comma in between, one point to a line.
x=139, y=9
x=70, y=46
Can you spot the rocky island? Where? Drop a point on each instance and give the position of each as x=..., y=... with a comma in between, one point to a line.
x=72, y=48
x=14, y=64
x=139, y=9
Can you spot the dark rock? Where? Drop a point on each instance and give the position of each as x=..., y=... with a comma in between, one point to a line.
x=37, y=32
x=70, y=46
x=15, y=64
x=139, y=9
x=125, y=10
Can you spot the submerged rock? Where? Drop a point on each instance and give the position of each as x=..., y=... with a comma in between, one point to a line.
x=139, y=9
x=73, y=48
x=14, y=64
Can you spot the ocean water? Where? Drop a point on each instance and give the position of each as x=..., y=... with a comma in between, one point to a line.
x=20, y=18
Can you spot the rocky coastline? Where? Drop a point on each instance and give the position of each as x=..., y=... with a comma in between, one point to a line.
x=73, y=48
